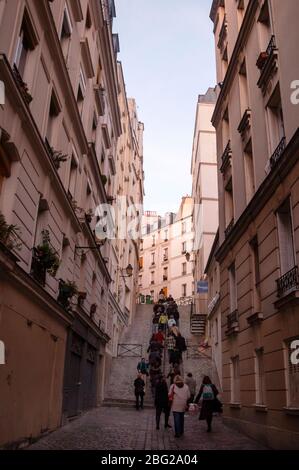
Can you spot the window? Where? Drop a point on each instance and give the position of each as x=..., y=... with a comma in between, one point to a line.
x=275, y=120
x=183, y=227
x=140, y=281
x=244, y=100
x=165, y=255
x=81, y=90
x=88, y=22
x=292, y=372
x=165, y=235
x=165, y=274
x=27, y=41
x=66, y=32
x=73, y=175
x=232, y=288
x=184, y=290
x=153, y=240
x=260, y=385
x=235, y=380
x=184, y=269
x=153, y=258
x=152, y=277
x=285, y=236
x=229, y=203
x=255, y=270
x=141, y=263
x=184, y=248
x=264, y=23
x=225, y=129
x=249, y=172
x=141, y=245
x=54, y=111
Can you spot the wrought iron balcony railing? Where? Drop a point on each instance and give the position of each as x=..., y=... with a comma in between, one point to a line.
x=278, y=152
x=288, y=282
x=226, y=156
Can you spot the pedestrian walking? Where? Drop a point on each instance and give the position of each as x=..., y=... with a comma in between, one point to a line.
x=162, y=402
x=169, y=345
x=208, y=392
x=192, y=386
x=139, y=391
x=171, y=322
x=179, y=395
x=142, y=368
x=163, y=321
x=173, y=372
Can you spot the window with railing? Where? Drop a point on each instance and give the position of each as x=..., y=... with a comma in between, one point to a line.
x=232, y=288
x=285, y=237
x=255, y=275
x=229, y=207
x=275, y=126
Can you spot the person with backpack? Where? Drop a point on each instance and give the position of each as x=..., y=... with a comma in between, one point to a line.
x=139, y=391
x=208, y=392
x=142, y=368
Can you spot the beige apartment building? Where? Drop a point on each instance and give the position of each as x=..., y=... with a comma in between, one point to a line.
x=205, y=196
x=256, y=119
x=59, y=160
x=165, y=255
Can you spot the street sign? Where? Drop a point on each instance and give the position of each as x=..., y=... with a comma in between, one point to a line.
x=202, y=287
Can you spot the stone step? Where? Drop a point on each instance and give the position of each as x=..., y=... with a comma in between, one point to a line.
x=115, y=403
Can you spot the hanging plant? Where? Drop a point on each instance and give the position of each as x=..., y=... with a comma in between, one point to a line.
x=67, y=290
x=46, y=255
x=58, y=158
x=9, y=234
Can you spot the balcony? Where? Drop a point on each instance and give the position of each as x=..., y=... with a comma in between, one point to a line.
x=226, y=158
x=229, y=228
x=267, y=63
x=277, y=154
x=245, y=124
x=232, y=323
x=288, y=283
x=22, y=85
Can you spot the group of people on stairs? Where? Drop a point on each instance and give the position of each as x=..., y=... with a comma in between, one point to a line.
x=179, y=395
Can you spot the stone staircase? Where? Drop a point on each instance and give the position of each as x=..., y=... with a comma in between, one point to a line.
x=198, y=324
x=120, y=389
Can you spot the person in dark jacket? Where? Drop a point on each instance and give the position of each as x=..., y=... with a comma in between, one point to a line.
x=162, y=402
x=139, y=391
x=208, y=392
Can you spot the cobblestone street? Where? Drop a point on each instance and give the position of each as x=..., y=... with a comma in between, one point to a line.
x=119, y=429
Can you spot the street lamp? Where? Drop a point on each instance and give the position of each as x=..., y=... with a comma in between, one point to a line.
x=128, y=270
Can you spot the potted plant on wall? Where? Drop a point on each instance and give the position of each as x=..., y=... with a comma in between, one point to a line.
x=58, y=158
x=67, y=290
x=45, y=259
x=9, y=234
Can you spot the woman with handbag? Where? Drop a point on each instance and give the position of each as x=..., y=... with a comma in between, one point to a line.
x=179, y=395
x=210, y=403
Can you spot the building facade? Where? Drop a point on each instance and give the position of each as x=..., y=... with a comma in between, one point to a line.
x=163, y=261
x=59, y=135
x=204, y=193
x=256, y=121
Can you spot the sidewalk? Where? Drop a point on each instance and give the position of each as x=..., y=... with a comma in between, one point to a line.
x=128, y=429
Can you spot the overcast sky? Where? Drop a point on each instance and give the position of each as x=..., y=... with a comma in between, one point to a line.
x=167, y=53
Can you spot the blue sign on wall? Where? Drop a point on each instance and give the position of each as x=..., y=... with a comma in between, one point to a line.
x=202, y=287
